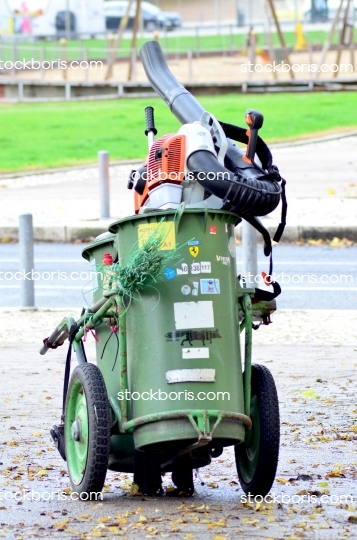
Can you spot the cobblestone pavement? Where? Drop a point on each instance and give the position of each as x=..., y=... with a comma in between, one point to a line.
x=312, y=355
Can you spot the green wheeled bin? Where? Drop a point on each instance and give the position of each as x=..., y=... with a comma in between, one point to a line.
x=169, y=389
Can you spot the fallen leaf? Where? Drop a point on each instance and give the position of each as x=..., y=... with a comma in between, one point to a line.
x=282, y=480
x=134, y=490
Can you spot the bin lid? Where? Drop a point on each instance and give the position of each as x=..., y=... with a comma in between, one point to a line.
x=158, y=215
x=102, y=239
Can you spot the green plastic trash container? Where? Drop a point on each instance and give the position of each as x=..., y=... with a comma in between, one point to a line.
x=183, y=350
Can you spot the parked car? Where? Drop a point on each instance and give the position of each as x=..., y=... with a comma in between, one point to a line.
x=152, y=17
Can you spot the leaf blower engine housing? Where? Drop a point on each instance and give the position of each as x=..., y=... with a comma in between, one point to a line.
x=191, y=166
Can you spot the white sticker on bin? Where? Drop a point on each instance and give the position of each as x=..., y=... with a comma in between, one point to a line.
x=183, y=270
x=193, y=315
x=190, y=375
x=195, y=352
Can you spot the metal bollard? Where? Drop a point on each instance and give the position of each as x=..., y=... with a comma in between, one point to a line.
x=26, y=260
x=249, y=245
x=103, y=160
x=189, y=60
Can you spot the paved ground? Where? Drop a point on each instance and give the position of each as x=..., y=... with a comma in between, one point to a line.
x=312, y=355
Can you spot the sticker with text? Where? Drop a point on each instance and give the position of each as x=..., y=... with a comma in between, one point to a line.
x=224, y=260
x=183, y=270
x=196, y=268
x=201, y=268
x=213, y=229
x=193, y=243
x=205, y=267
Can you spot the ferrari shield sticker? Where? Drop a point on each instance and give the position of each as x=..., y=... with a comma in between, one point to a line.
x=194, y=250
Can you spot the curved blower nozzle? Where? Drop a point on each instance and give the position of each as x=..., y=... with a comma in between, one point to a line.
x=240, y=185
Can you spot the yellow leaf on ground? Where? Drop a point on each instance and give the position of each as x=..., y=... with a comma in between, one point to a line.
x=134, y=490
x=127, y=485
x=60, y=525
x=282, y=480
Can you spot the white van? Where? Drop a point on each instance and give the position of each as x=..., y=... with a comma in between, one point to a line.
x=86, y=19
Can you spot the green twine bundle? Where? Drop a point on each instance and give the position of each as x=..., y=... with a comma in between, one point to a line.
x=143, y=268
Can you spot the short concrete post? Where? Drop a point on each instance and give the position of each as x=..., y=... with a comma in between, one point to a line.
x=249, y=245
x=26, y=260
x=103, y=160
x=189, y=60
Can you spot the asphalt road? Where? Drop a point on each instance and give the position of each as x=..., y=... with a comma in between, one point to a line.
x=317, y=277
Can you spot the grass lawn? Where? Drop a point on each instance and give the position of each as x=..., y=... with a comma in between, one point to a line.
x=37, y=136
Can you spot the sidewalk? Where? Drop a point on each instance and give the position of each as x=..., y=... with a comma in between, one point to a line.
x=321, y=188
x=312, y=355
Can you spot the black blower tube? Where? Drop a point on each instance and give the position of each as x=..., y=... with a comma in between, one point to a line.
x=181, y=102
x=245, y=196
x=250, y=195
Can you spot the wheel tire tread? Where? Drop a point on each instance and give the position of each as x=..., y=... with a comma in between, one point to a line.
x=263, y=478
x=98, y=420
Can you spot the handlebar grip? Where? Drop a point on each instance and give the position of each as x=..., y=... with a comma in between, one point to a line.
x=149, y=119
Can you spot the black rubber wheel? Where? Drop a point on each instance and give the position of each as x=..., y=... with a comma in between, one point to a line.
x=147, y=473
x=87, y=431
x=257, y=457
x=182, y=475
